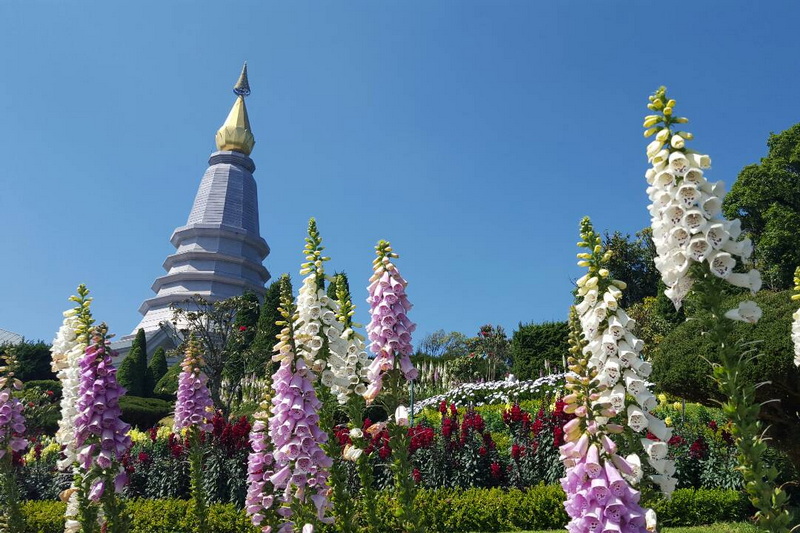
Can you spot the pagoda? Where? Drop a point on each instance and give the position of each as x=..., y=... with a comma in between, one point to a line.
x=219, y=252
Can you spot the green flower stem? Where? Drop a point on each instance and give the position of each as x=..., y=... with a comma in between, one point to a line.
x=344, y=506
x=199, y=504
x=404, y=484
x=741, y=406
x=87, y=511
x=11, y=515
x=116, y=521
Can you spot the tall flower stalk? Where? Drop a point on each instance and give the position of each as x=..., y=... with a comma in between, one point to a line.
x=12, y=429
x=68, y=349
x=300, y=469
x=599, y=497
x=192, y=410
x=697, y=252
x=390, y=332
x=101, y=439
x=389, y=329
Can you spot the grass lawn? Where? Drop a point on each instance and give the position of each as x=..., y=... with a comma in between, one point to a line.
x=716, y=528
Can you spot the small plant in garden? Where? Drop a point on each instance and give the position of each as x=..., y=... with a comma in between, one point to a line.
x=192, y=410
x=697, y=252
x=12, y=442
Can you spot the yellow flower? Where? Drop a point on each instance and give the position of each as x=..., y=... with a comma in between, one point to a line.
x=676, y=406
x=668, y=421
x=138, y=436
x=662, y=398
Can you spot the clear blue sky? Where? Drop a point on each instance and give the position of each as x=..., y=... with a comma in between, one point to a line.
x=473, y=135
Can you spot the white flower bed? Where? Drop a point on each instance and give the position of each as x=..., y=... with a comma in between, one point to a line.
x=493, y=392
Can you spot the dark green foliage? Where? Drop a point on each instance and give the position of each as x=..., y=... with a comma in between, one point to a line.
x=132, y=373
x=679, y=367
x=267, y=330
x=156, y=369
x=33, y=360
x=632, y=262
x=168, y=384
x=533, y=344
x=143, y=413
x=45, y=385
x=766, y=198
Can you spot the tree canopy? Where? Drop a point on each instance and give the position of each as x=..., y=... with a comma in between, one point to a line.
x=533, y=344
x=766, y=198
x=632, y=261
x=132, y=372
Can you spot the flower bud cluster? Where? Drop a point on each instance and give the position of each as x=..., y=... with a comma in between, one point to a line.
x=389, y=329
x=101, y=436
x=194, y=406
x=12, y=422
x=299, y=464
x=686, y=213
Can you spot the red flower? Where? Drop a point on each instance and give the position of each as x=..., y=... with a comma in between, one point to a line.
x=698, y=449
x=516, y=451
x=49, y=392
x=453, y=410
x=385, y=452
x=482, y=450
x=242, y=328
x=676, y=440
x=496, y=470
x=417, y=475
x=558, y=436
x=143, y=457
x=712, y=425
x=443, y=407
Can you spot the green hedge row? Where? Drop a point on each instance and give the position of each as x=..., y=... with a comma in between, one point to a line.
x=443, y=510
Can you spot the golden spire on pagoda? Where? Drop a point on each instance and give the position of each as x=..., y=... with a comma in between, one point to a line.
x=235, y=134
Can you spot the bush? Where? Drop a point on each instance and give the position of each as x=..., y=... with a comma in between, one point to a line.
x=168, y=385
x=45, y=385
x=147, y=516
x=679, y=367
x=143, y=413
x=441, y=510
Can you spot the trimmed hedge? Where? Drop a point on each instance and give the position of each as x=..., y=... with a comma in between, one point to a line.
x=442, y=510
x=143, y=413
x=149, y=516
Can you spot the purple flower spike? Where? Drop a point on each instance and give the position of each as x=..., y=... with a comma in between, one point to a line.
x=389, y=328
x=101, y=436
x=593, y=487
x=194, y=401
x=12, y=422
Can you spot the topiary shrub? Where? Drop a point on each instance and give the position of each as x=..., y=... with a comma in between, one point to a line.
x=143, y=413
x=132, y=373
x=156, y=369
x=167, y=386
x=679, y=367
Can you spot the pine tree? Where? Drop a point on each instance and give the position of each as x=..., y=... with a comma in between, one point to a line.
x=132, y=373
x=156, y=370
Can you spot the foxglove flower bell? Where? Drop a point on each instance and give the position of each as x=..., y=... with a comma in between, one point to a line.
x=12, y=421
x=101, y=436
x=686, y=222
x=389, y=329
x=194, y=404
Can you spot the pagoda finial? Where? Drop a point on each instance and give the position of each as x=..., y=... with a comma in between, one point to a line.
x=242, y=87
x=235, y=134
